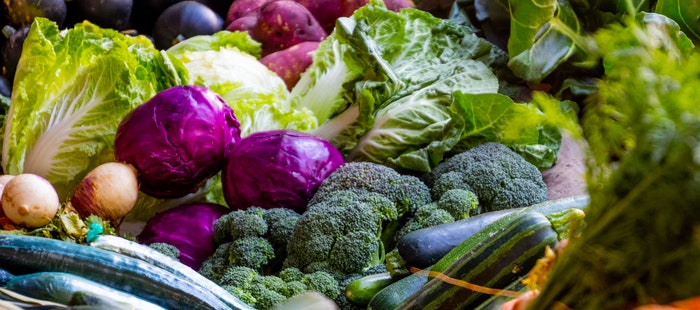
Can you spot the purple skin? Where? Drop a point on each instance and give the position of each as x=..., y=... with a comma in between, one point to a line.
x=277, y=168
x=290, y=63
x=241, y=8
x=326, y=12
x=243, y=24
x=189, y=227
x=285, y=23
x=177, y=140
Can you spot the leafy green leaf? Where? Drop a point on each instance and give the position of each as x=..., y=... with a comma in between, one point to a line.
x=685, y=12
x=542, y=37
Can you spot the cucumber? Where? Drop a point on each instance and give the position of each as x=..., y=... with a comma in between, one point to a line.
x=142, y=252
x=424, y=247
x=361, y=290
x=21, y=254
x=394, y=294
x=493, y=258
x=61, y=287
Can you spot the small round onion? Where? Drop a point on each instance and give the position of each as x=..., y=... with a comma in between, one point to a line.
x=277, y=168
x=177, y=140
x=30, y=200
x=109, y=191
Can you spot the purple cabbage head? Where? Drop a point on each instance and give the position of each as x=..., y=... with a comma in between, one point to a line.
x=188, y=227
x=277, y=168
x=177, y=140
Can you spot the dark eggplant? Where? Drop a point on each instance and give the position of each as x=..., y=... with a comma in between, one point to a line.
x=184, y=20
x=23, y=12
x=12, y=49
x=106, y=13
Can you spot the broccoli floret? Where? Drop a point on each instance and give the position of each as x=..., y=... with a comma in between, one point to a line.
x=243, y=294
x=459, y=203
x=238, y=276
x=265, y=297
x=260, y=236
x=166, y=249
x=500, y=178
x=406, y=191
x=449, y=181
x=267, y=291
x=350, y=252
x=295, y=288
x=280, y=223
x=426, y=216
x=215, y=265
x=291, y=274
x=240, y=223
x=323, y=283
x=253, y=252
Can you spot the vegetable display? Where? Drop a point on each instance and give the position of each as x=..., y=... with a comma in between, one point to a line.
x=363, y=154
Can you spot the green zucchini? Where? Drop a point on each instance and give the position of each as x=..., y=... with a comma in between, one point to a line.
x=394, y=294
x=361, y=290
x=493, y=258
x=22, y=254
x=139, y=251
x=61, y=287
x=424, y=247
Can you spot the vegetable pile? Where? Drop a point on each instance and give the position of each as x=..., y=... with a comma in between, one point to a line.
x=369, y=154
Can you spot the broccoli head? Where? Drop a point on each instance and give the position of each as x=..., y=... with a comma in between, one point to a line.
x=500, y=178
x=367, y=200
x=405, y=191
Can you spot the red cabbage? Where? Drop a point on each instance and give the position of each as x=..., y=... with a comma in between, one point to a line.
x=188, y=227
x=277, y=168
x=177, y=140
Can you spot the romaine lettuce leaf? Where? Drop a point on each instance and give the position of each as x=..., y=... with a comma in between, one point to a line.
x=70, y=92
x=227, y=63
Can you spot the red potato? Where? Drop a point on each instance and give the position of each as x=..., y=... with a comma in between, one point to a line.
x=396, y=5
x=291, y=62
x=326, y=12
x=285, y=23
x=241, y=8
x=347, y=7
x=243, y=24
